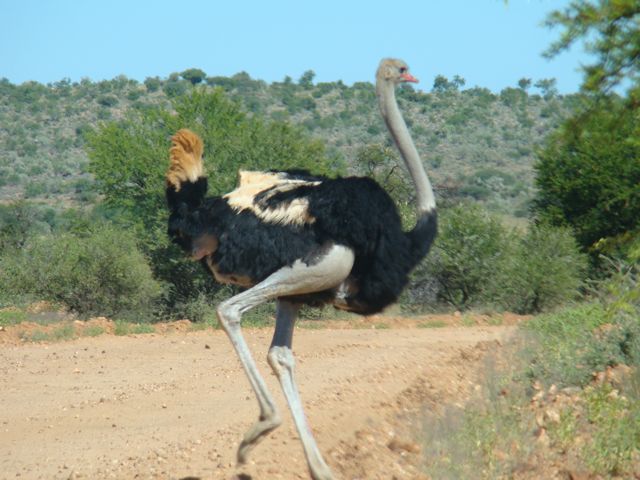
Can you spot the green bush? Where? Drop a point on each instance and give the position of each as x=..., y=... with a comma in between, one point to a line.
x=175, y=88
x=545, y=269
x=467, y=253
x=108, y=100
x=588, y=173
x=477, y=261
x=35, y=188
x=199, y=308
x=12, y=317
x=153, y=84
x=194, y=75
x=21, y=220
x=100, y=273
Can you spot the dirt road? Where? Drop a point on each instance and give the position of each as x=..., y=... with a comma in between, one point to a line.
x=175, y=405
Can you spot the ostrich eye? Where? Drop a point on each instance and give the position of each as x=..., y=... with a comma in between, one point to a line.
x=403, y=69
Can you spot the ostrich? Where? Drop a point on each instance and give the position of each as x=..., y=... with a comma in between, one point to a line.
x=299, y=239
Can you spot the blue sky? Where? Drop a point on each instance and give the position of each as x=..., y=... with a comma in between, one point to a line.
x=490, y=43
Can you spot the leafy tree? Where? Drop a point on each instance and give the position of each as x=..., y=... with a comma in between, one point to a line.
x=194, y=75
x=458, y=82
x=129, y=160
x=153, y=84
x=441, y=84
x=306, y=80
x=548, y=87
x=608, y=30
x=588, y=174
x=524, y=84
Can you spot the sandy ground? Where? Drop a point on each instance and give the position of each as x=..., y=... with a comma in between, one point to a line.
x=174, y=405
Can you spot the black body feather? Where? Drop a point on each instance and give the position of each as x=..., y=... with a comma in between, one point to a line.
x=354, y=211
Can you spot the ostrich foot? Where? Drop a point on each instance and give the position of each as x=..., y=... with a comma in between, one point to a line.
x=255, y=434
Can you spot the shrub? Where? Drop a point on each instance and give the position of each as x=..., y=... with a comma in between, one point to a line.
x=467, y=254
x=175, y=88
x=476, y=261
x=152, y=84
x=545, y=269
x=134, y=95
x=19, y=221
x=199, y=308
x=12, y=316
x=194, y=75
x=102, y=272
x=35, y=188
x=108, y=100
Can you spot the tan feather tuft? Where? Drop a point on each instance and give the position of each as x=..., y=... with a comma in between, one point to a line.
x=185, y=157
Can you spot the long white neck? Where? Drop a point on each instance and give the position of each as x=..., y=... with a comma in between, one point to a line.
x=385, y=90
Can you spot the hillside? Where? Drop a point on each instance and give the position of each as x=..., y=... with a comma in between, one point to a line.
x=475, y=143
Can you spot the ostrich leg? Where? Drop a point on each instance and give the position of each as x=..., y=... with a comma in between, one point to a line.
x=282, y=362
x=269, y=418
x=322, y=273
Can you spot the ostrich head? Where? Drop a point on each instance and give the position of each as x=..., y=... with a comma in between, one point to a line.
x=394, y=71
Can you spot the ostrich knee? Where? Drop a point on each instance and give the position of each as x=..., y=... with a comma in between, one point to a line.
x=229, y=316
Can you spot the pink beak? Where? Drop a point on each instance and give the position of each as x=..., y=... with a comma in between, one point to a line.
x=407, y=77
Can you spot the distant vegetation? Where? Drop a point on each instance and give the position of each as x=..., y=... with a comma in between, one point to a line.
x=477, y=144
x=87, y=157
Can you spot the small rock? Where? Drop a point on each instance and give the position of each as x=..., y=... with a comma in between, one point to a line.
x=541, y=437
x=552, y=415
x=538, y=396
x=618, y=375
x=399, y=445
x=575, y=475
x=540, y=419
